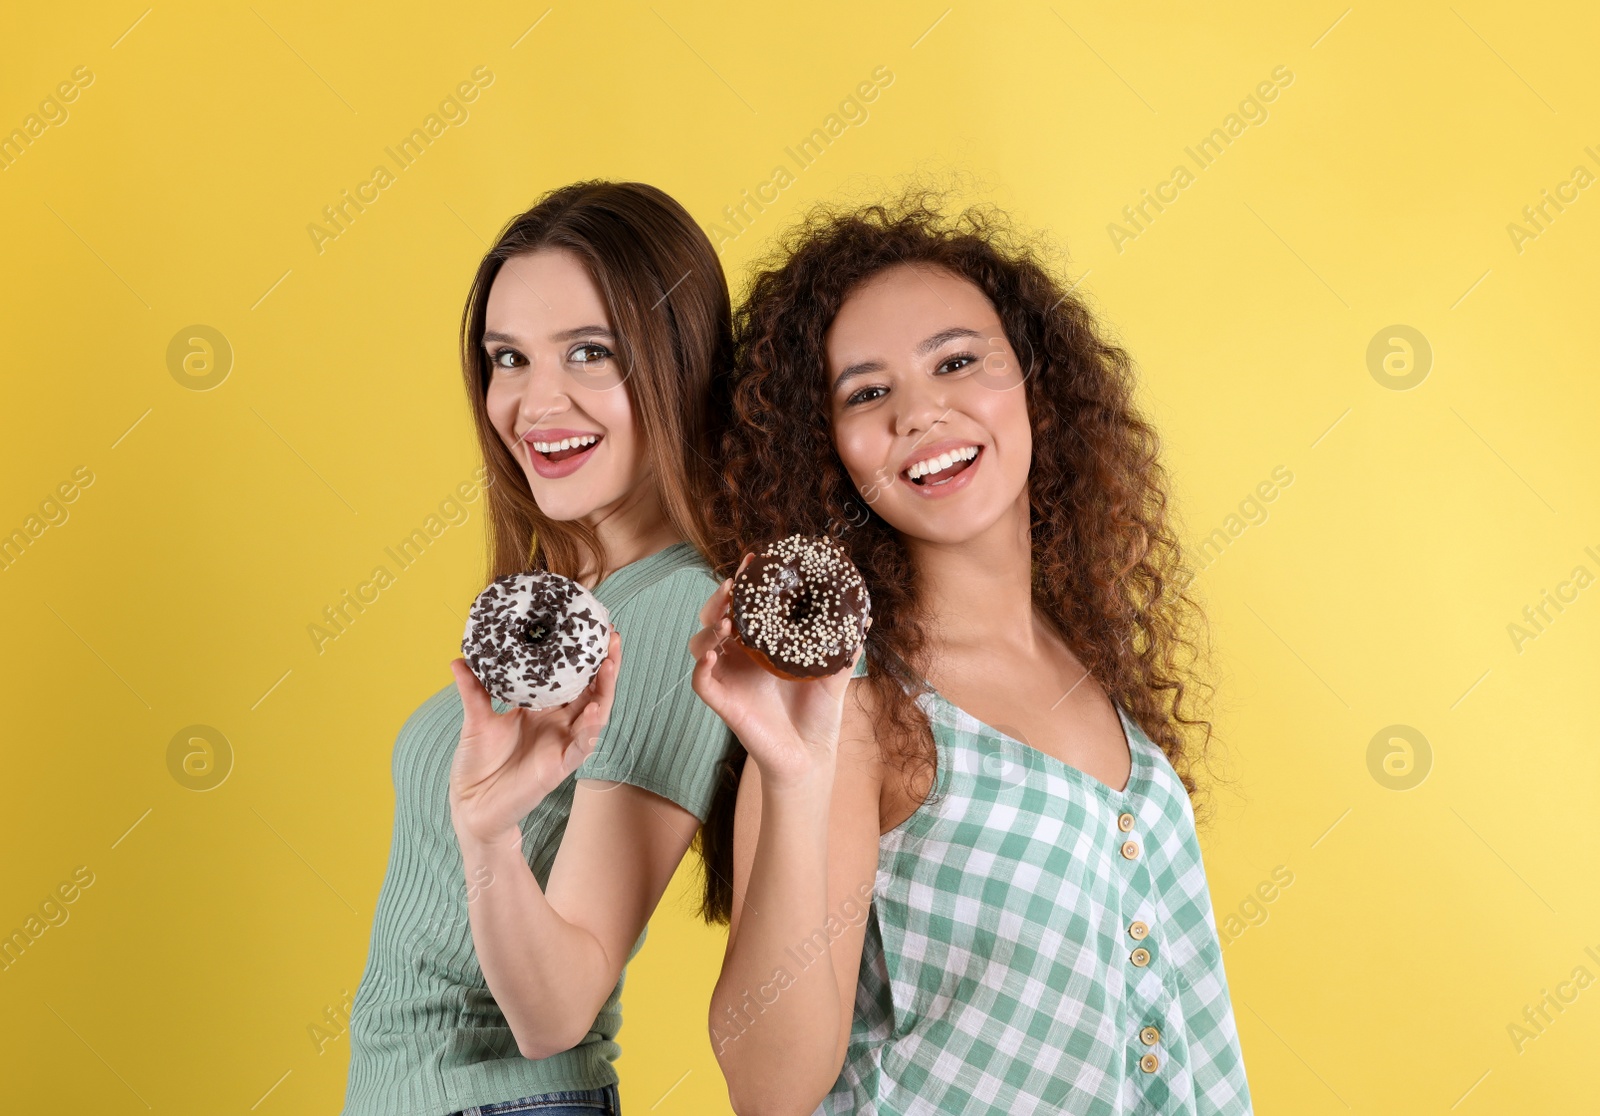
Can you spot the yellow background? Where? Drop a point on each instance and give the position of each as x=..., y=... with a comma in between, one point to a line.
x=1378, y=591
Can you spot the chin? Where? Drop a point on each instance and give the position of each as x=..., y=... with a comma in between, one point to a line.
x=947, y=525
x=943, y=533
x=563, y=507
x=562, y=514
x=565, y=501
x=944, y=529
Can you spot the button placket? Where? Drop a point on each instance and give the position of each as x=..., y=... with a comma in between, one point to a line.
x=1139, y=931
x=1130, y=847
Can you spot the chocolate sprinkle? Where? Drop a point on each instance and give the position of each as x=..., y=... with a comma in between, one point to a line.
x=536, y=639
x=802, y=603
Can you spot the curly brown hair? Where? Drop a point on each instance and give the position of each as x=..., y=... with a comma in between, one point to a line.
x=1107, y=570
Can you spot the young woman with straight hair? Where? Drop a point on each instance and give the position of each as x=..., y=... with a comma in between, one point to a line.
x=530, y=848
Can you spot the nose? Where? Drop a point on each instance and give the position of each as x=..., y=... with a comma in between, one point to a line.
x=543, y=395
x=919, y=405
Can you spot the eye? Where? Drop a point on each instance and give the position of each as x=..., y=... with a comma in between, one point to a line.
x=507, y=358
x=589, y=353
x=864, y=395
x=954, y=363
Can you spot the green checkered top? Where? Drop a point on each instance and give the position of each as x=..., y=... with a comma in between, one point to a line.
x=1040, y=942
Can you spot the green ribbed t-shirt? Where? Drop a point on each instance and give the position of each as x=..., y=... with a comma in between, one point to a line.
x=426, y=1036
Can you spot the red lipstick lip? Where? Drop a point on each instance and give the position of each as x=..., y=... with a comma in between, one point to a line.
x=555, y=470
x=954, y=484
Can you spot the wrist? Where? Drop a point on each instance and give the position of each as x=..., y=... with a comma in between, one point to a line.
x=486, y=842
x=812, y=782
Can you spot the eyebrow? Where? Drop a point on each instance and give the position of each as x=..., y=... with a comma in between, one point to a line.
x=944, y=335
x=565, y=335
x=582, y=331
x=861, y=368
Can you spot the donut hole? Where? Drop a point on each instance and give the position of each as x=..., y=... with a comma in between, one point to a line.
x=800, y=607
x=535, y=630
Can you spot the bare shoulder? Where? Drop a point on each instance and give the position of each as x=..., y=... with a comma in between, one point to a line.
x=898, y=780
x=858, y=738
x=864, y=775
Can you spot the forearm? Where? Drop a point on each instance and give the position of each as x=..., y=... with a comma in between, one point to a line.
x=549, y=977
x=775, y=1013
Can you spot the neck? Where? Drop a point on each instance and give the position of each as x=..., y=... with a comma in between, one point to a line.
x=979, y=592
x=634, y=527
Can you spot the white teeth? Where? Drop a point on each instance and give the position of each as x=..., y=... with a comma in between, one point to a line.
x=566, y=443
x=942, y=462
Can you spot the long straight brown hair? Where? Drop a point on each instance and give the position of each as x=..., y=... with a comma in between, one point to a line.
x=664, y=288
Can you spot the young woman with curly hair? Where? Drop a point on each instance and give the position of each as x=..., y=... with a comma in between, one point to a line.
x=963, y=876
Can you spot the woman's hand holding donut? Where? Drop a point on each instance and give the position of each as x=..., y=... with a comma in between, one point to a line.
x=790, y=728
x=505, y=763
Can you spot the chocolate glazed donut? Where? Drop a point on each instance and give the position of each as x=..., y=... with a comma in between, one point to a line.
x=536, y=639
x=800, y=607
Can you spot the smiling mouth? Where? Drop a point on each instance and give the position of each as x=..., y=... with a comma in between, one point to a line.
x=565, y=448
x=944, y=468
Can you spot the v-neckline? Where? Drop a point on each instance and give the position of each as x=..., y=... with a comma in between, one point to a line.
x=1077, y=773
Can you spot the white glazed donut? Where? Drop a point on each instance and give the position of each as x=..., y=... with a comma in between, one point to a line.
x=536, y=639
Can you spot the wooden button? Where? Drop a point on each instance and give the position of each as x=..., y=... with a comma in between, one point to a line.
x=1130, y=849
x=1149, y=1063
x=1125, y=822
x=1137, y=930
x=1149, y=1036
x=1140, y=957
